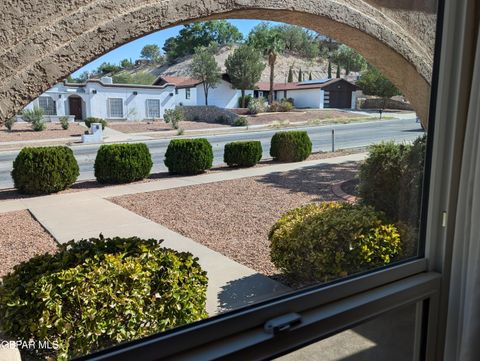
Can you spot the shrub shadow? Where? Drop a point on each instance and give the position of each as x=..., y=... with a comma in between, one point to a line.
x=313, y=180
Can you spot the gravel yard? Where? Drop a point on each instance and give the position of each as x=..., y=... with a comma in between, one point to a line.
x=22, y=238
x=300, y=116
x=157, y=126
x=234, y=217
x=23, y=131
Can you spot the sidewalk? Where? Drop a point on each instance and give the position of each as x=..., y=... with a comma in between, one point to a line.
x=88, y=213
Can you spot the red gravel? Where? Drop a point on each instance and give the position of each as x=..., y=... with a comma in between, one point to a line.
x=234, y=217
x=22, y=131
x=22, y=238
x=157, y=126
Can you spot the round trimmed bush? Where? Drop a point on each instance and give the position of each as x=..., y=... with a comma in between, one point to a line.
x=90, y=120
x=43, y=170
x=122, y=163
x=125, y=288
x=243, y=153
x=291, y=146
x=189, y=156
x=320, y=242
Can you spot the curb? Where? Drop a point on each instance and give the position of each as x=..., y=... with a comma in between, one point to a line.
x=338, y=191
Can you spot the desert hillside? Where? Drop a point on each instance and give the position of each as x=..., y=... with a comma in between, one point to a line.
x=318, y=68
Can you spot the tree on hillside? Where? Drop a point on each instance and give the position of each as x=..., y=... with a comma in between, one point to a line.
x=328, y=48
x=329, y=70
x=143, y=78
x=373, y=82
x=199, y=34
x=204, y=67
x=82, y=78
x=338, y=71
x=106, y=68
x=151, y=52
x=348, y=59
x=290, y=75
x=310, y=76
x=298, y=40
x=244, y=67
x=126, y=64
x=300, y=76
x=267, y=40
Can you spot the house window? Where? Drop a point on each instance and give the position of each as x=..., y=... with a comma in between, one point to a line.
x=187, y=93
x=48, y=105
x=153, y=108
x=176, y=91
x=115, y=107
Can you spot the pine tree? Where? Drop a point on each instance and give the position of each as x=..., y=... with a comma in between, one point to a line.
x=310, y=76
x=329, y=70
x=300, y=75
x=290, y=75
x=338, y=71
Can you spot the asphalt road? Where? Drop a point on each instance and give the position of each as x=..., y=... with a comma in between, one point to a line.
x=346, y=136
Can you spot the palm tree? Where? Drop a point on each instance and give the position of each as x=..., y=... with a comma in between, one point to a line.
x=276, y=45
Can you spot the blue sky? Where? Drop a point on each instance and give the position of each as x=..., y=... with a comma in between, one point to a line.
x=132, y=49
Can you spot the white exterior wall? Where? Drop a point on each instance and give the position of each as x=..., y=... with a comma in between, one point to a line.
x=223, y=96
x=134, y=106
x=307, y=98
x=181, y=98
x=95, y=105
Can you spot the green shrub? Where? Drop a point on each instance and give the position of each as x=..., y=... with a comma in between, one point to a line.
x=320, y=242
x=96, y=293
x=122, y=163
x=64, y=122
x=173, y=117
x=222, y=119
x=243, y=153
x=240, y=122
x=248, y=98
x=9, y=123
x=391, y=180
x=90, y=120
x=35, y=117
x=256, y=105
x=44, y=170
x=291, y=146
x=283, y=106
x=188, y=156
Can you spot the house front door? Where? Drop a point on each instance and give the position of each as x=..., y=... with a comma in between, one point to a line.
x=75, y=104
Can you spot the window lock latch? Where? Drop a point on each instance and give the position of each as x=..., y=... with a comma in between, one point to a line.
x=282, y=323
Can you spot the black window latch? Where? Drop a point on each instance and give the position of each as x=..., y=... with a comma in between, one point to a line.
x=282, y=323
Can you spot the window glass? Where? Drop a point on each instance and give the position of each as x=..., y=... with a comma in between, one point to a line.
x=48, y=105
x=187, y=93
x=153, y=108
x=115, y=108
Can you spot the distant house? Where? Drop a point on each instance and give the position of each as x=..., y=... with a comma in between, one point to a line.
x=103, y=99
x=317, y=94
x=190, y=92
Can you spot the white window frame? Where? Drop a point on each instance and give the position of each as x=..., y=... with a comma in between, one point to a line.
x=50, y=108
x=109, y=108
x=148, y=105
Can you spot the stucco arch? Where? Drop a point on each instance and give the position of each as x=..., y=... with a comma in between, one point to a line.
x=45, y=40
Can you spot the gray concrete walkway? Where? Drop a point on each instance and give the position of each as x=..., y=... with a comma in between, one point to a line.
x=88, y=213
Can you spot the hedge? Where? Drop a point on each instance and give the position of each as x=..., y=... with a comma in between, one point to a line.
x=90, y=120
x=243, y=153
x=321, y=242
x=189, y=156
x=290, y=146
x=126, y=288
x=122, y=163
x=391, y=179
x=44, y=170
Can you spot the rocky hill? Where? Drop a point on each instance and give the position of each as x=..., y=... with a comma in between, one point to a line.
x=318, y=68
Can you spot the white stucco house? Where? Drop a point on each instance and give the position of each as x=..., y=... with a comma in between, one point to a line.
x=102, y=99
x=116, y=102
x=315, y=94
x=190, y=92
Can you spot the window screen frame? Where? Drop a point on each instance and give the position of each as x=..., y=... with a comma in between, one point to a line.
x=148, y=108
x=109, y=108
x=51, y=108
x=239, y=332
